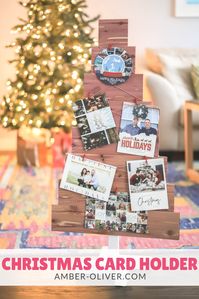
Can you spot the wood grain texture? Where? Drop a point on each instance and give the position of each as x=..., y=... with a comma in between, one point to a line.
x=130, y=90
x=64, y=219
x=80, y=292
x=113, y=33
x=74, y=202
x=68, y=214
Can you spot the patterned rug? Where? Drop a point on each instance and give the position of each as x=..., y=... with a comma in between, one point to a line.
x=26, y=196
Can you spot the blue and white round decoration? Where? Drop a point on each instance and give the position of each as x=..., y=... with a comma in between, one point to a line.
x=113, y=66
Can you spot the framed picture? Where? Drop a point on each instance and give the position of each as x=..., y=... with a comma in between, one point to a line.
x=187, y=8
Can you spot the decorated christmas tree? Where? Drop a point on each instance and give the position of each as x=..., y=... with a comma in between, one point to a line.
x=52, y=53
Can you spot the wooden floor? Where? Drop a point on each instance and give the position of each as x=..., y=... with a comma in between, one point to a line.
x=99, y=292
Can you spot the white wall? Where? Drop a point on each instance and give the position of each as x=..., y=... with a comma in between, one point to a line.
x=151, y=24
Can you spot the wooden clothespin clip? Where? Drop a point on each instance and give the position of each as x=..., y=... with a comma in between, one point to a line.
x=146, y=159
x=102, y=157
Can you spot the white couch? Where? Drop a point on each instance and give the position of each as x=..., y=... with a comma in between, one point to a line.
x=169, y=83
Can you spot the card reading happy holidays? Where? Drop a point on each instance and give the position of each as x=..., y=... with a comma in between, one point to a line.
x=95, y=121
x=147, y=184
x=88, y=177
x=138, y=130
x=115, y=215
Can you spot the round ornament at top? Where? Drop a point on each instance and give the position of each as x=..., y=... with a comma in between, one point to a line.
x=113, y=66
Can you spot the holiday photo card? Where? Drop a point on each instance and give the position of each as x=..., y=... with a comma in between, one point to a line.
x=88, y=177
x=114, y=215
x=138, y=130
x=147, y=184
x=95, y=121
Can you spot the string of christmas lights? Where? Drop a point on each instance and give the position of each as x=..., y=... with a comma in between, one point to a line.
x=52, y=53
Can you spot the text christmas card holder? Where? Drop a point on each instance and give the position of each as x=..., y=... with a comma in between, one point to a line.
x=69, y=214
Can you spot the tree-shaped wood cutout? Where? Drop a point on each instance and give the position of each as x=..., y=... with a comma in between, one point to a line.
x=69, y=214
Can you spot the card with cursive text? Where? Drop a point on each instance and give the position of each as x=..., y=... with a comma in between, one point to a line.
x=147, y=184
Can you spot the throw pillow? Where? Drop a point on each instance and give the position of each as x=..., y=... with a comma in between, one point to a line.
x=195, y=79
x=178, y=71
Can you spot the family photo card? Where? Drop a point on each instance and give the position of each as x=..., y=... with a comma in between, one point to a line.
x=95, y=121
x=115, y=215
x=147, y=184
x=88, y=177
x=138, y=130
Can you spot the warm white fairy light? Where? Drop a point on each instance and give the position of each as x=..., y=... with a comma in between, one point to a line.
x=61, y=46
x=61, y=100
x=67, y=33
x=18, y=108
x=34, y=97
x=19, y=84
x=49, y=109
x=14, y=122
x=38, y=123
x=75, y=75
x=77, y=87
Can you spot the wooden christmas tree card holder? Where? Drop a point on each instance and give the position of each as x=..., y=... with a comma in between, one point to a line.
x=69, y=214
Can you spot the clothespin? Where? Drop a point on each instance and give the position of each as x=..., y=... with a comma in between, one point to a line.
x=102, y=157
x=146, y=159
x=83, y=157
x=115, y=190
x=109, y=46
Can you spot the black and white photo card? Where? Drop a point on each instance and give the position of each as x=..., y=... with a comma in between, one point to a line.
x=95, y=121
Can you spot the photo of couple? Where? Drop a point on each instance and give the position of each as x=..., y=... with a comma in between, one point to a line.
x=135, y=129
x=138, y=130
x=88, y=179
